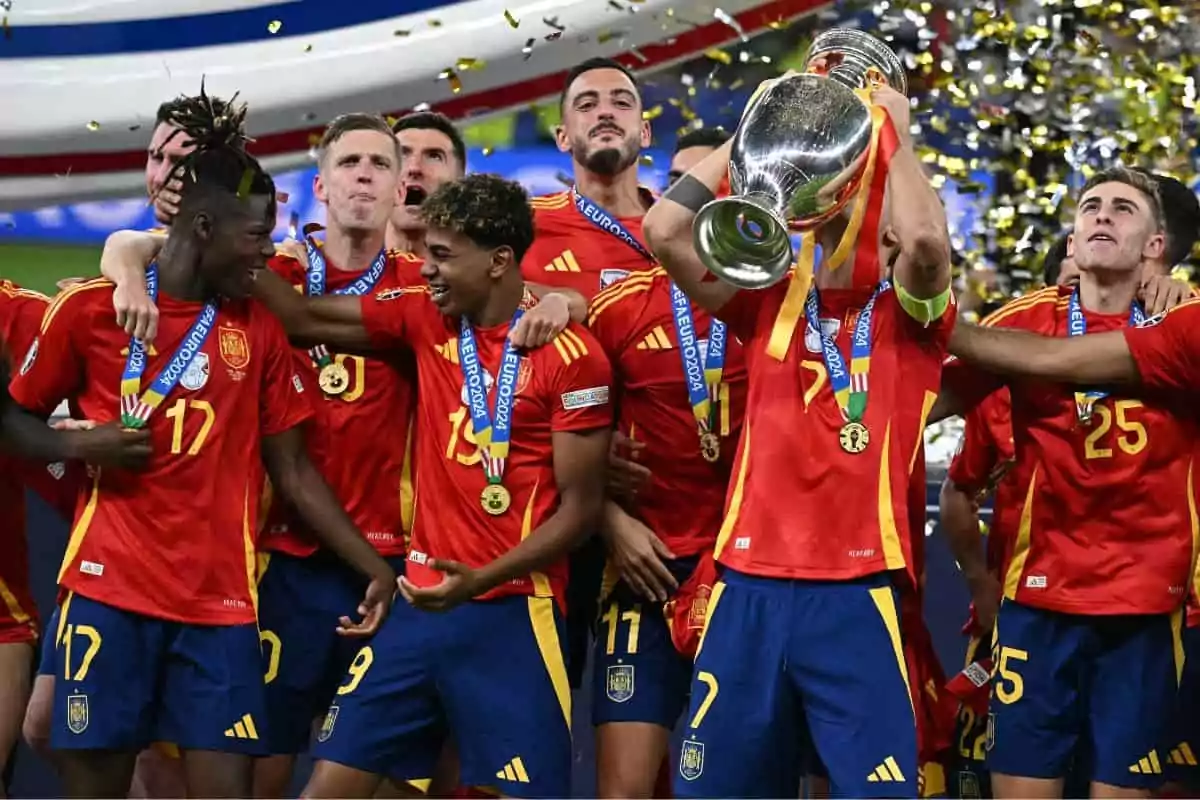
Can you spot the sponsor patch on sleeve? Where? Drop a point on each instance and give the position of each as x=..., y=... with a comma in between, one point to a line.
x=585, y=398
x=299, y=384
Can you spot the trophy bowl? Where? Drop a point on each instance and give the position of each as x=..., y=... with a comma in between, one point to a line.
x=798, y=157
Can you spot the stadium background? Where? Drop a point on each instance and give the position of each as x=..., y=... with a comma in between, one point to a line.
x=40, y=247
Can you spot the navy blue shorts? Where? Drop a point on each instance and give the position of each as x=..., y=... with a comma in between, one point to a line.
x=48, y=643
x=777, y=654
x=299, y=603
x=1068, y=687
x=1182, y=745
x=490, y=673
x=124, y=680
x=637, y=674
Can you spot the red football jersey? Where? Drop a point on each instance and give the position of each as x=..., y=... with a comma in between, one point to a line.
x=177, y=540
x=20, y=318
x=570, y=251
x=362, y=441
x=985, y=463
x=563, y=386
x=783, y=518
x=1107, y=520
x=684, y=501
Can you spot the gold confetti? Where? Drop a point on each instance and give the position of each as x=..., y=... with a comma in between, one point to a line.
x=451, y=77
x=4, y=26
x=308, y=48
x=652, y=113
x=646, y=160
x=435, y=23
x=487, y=151
x=719, y=55
x=512, y=21
x=93, y=126
x=274, y=26
x=400, y=32
x=468, y=64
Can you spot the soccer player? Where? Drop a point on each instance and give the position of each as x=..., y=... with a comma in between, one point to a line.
x=505, y=488
x=804, y=622
x=692, y=148
x=1087, y=635
x=158, y=634
x=683, y=384
x=590, y=235
x=432, y=152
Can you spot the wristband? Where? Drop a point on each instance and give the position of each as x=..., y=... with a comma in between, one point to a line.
x=923, y=311
x=689, y=193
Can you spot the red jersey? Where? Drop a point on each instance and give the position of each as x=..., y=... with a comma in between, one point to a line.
x=684, y=501
x=20, y=318
x=561, y=387
x=177, y=540
x=571, y=251
x=985, y=464
x=363, y=440
x=1107, y=522
x=782, y=516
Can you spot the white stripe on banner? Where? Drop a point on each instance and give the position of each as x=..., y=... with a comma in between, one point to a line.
x=81, y=12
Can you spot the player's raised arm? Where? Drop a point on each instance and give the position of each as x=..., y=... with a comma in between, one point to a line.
x=123, y=261
x=333, y=320
x=916, y=220
x=1096, y=359
x=294, y=476
x=668, y=229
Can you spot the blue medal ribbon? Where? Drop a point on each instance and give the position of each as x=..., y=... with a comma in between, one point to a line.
x=135, y=410
x=850, y=386
x=1085, y=401
x=703, y=381
x=606, y=222
x=492, y=432
x=315, y=285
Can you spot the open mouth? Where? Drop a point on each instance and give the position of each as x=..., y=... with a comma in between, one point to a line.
x=414, y=196
x=1102, y=237
x=438, y=292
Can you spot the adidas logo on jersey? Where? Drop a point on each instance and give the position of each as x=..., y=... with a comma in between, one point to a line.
x=514, y=771
x=1182, y=756
x=563, y=262
x=448, y=350
x=656, y=339
x=1147, y=765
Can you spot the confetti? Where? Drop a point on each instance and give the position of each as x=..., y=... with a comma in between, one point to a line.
x=487, y=151
x=512, y=21
x=274, y=26
x=723, y=16
x=719, y=55
x=435, y=23
x=4, y=26
x=401, y=32
x=293, y=225
x=467, y=64
x=646, y=160
x=308, y=48
x=93, y=126
x=451, y=77
x=553, y=23
x=652, y=113
x=527, y=50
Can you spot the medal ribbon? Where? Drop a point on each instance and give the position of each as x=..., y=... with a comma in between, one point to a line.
x=609, y=224
x=492, y=432
x=315, y=287
x=136, y=411
x=1086, y=400
x=704, y=382
x=849, y=386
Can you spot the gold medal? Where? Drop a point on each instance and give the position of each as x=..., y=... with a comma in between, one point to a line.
x=710, y=447
x=854, y=437
x=334, y=379
x=495, y=499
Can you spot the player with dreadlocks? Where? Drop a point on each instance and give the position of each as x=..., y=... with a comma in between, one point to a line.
x=157, y=635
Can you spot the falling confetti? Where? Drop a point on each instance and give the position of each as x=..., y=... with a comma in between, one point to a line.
x=553, y=23
x=652, y=113
x=723, y=16
x=93, y=126
x=527, y=50
x=467, y=64
x=512, y=21
x=487, y=151
x=451, y=77
x=400, y=32
x=646, y=160
x=435, y=23
x=308, y=48
x=274, y=26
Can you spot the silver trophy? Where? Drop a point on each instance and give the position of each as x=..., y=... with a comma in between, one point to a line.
x=797, y=160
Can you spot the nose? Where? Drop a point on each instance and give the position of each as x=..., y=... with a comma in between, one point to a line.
x=428, y=270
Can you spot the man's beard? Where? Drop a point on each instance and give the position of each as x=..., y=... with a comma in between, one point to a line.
x=609, y=161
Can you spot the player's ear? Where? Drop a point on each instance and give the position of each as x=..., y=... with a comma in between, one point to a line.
x=319, y=188
x=202, y=226
x=645, y=135
x=561, y=139
x=503, y=259
x=1071, y=245
x=1156, y=246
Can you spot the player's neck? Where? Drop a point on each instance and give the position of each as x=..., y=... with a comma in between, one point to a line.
x=830, y=236
x=353, y=250
x=406, y=240
x=504, y=301
x=178, y=273
x=617, y=194
x=1107, y=291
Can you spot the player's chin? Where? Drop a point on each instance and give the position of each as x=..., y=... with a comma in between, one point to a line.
x=443, y=299
x=239, y=287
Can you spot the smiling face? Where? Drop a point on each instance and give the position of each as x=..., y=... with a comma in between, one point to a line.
x=1116, y=229
x=236, y=240
x=460, y=272
x=358, y=179
x=602, y=125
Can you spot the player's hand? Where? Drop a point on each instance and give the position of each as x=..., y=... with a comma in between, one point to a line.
x=293, y=249
x=638, y=555
x=166, y=201
x=898, y=109
x=110, y=445
x=625, y=475
x=67, y=283
x=72, y=424
x=136, y=312
x=540, y=324
x=985, y=593
x=374, y=608
x=459, y=584
x=1160, y=293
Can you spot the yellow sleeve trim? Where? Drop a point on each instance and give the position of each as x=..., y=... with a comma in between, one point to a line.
x=923, y=311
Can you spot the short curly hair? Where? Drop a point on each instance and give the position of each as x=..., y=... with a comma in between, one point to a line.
x=489, y=210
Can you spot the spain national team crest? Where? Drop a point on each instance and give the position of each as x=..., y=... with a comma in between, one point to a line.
x=524, y=374
x=691, y=760
x=327, y=724
x=699, y=609
x=235, y=347
x=77, y=713
x=196, y=375
x=619, y=683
